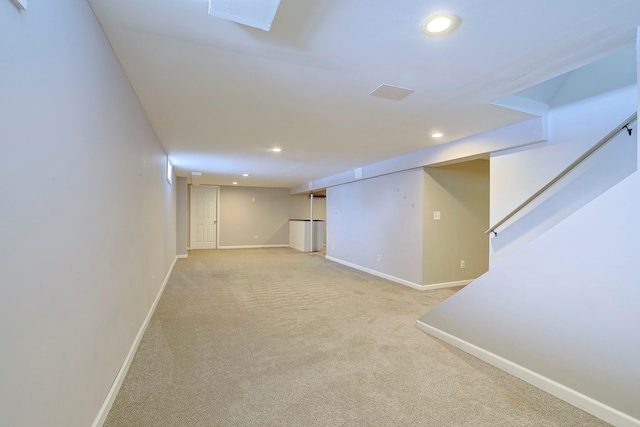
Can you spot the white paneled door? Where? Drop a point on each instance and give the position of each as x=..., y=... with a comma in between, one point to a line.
x=204, y=217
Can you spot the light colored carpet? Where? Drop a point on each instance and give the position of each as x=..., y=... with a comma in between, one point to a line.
x=276, y=337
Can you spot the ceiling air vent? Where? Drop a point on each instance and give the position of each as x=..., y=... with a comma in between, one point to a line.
x=257, y=14
x=396, y=93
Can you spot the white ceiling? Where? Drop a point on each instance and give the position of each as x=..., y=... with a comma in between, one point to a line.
x=220, y=94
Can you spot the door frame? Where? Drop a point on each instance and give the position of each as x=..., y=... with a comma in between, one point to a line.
x=217, y=213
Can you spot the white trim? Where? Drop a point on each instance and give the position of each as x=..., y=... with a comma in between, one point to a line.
x=169, y=171
x=401, y=281
x=376, y=273
x=446, y=285
x=565, y=393
x=117, y=383
x=217, y=217
x=253, y=246
x=182, y=256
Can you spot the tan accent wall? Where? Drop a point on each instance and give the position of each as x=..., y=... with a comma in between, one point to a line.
x=301, y=207
x=247, y=212
x=460, y=192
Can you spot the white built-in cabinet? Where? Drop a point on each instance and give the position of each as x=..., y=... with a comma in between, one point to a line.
x=302, y=232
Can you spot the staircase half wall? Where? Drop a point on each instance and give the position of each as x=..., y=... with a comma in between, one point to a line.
x=563, y=311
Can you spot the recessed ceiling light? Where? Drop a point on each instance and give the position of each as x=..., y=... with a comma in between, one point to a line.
x=245, y=174
x=235, y=183
x=437, y=135
x=440, y=24
x=276, y=150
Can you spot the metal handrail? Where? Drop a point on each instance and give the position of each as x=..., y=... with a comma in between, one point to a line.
x=587, y=154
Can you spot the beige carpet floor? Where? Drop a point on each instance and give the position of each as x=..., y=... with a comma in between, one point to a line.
x=275, y=337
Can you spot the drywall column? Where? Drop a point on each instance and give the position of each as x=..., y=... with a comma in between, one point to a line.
x=181, y=216
x=311, y=219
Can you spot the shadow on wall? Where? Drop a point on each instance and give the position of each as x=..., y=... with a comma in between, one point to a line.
x=276, y=238
x=604, y=169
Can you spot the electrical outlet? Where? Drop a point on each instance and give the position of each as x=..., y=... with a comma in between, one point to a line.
x=436, y=215
x=378, y=257
x=462, y=264
x=255, y=237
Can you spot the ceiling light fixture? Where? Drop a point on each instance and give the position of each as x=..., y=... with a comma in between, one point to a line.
x=245, y=174
x=276, y=150
x=234, y=183
x=440, y=24
x=437, y=135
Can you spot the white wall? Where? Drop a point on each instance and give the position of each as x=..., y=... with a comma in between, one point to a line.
x=574, y=127
x=565, y=305
x=87, y=217
x=379, y=216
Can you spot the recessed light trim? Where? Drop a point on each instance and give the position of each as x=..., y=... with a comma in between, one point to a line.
x=439, y=24
x=437, y=135
x=234, y=183
x=276, y=150
x=245, y=174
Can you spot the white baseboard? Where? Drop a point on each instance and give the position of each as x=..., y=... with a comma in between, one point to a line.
x=571, y=396
x=182, y=256
x=376, y=273
x=253, y=246
x=446, y=285
x=398, y=280
x=117, y=383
